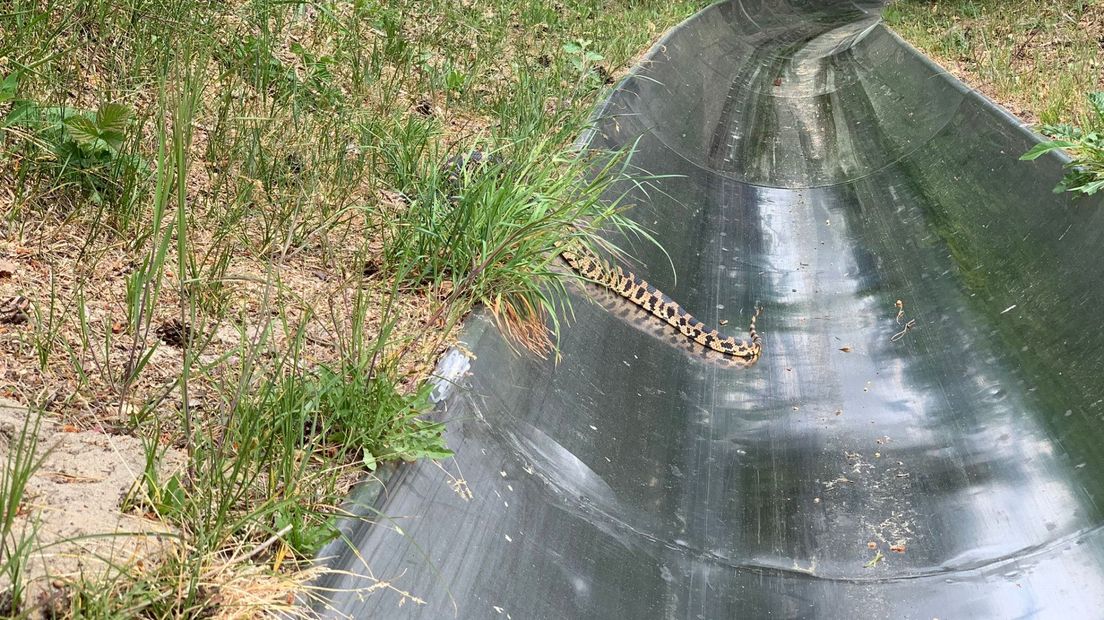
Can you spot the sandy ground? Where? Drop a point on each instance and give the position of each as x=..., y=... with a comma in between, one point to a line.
x=75, y=494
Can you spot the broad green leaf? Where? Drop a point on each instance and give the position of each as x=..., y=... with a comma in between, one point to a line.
x=82, y=130
x=113, y=139
x=168, y=498
x=8, y=86
x=113, y=117
x=1091, y=188
x=1045, y=147
x=1096, y=100
x=1061, y=131
x=68, y=152
x=22, y=113
x=435, y=452
x=421, y=439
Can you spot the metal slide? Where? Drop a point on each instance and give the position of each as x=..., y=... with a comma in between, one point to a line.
x=815, y=164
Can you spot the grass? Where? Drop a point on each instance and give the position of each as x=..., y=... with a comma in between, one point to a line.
x=1040, y=58
x=1085, y=145
x=17, y=536
x=239, y=243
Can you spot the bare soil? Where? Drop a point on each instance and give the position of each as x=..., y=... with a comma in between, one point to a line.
x=73, y=503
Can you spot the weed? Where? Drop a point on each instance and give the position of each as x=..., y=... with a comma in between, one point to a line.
x=46, y=323
x=584, y=60
x=490, y=238
x=87, y=147
x=317, y=86
x=1085, y=170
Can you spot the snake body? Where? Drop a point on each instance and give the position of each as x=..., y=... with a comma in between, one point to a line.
x=636, y=290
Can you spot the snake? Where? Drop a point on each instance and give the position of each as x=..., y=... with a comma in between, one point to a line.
x=593, y=268
x=635, y=289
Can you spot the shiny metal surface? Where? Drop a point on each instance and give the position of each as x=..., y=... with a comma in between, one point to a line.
x=825, y=170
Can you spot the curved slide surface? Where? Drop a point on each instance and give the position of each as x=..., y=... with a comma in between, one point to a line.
x=814, y=164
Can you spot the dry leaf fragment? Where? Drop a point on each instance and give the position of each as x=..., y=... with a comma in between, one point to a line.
x=897, y=548
x=7, y=269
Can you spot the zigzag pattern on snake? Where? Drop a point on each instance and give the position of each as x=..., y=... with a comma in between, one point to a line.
x=628, y=285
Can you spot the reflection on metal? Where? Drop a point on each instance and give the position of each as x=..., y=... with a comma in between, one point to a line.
x=811, y=161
